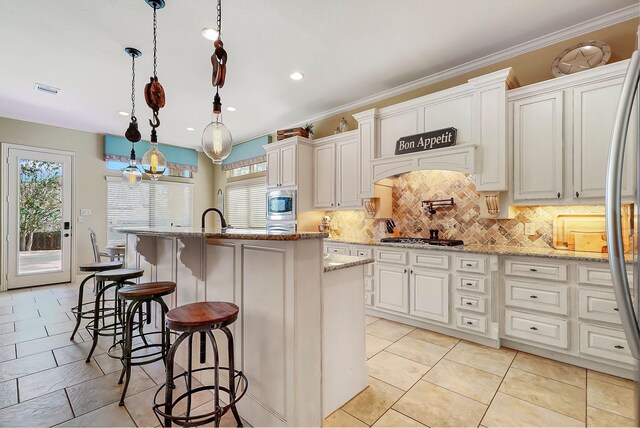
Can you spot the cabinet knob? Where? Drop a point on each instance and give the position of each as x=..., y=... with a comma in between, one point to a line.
x=615, y=309
x=469, y=322
x=411, y=271
x=533, y=297
x=469, y=303
x=338, y=203
x=468, y=284
x=619, y=347
x=468, y=265
x=405, y=271
x=533, y=270
x=331, y=203
x=533, y=328
x=558, y=195
x=577, y=194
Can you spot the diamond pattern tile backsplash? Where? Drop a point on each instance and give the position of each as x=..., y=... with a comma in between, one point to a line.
x=461, y=221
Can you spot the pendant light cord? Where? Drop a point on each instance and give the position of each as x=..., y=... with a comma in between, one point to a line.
x=219, y=18
x=133, y=87
x=155, y=41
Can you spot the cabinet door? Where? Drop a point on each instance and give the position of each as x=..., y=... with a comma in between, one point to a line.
x=430, y=295
x=594, y=111
x=288, y=166
x=348, y=187
x=537, y=147
x=324, y=160
x=273, y=168
x=392, y=288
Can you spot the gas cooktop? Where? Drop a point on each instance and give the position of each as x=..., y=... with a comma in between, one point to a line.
x=407, y=240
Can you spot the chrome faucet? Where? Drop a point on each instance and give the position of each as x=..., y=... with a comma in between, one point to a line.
x=223, y=222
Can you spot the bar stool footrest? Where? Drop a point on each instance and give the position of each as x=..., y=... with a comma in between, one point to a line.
x=139, y=360
x=239, y=380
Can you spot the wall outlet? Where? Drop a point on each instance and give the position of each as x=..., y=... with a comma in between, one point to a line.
x=529, y=229
x=85, y=211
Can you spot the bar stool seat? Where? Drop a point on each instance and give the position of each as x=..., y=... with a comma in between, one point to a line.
x=202, y=316
x=119, y=274
x=79, y=311
x=136, y=295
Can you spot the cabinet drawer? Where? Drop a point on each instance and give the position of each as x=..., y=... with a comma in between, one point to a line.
x=390, y=256
x=438, y=261
x=368, y=284
x=604, y=343
x=536, y=328
x=598, y=305
x=591, y=275
x=471, y=322
x=468, y=283
x=362, y=252
x=555, y=272
x=468, y=263
x=470, y=303
x=368, y=299
x=541, y=297
x=335, y=249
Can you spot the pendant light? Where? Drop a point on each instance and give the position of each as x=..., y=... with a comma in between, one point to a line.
x=131, y=175
x=153, y=161
x=216, y=138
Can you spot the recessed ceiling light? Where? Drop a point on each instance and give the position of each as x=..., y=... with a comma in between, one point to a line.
x=231, y=108
x=190, y=129
x=210, y=33
x=296, y=75
x=123, y=113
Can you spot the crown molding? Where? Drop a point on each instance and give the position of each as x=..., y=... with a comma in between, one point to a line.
x=606, y=20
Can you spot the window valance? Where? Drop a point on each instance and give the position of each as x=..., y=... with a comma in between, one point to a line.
x=180, y=158
x=247, y=153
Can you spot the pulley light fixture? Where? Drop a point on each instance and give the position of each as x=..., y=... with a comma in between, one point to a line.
x=131, y=175
x=216, y=138
x=153, y=161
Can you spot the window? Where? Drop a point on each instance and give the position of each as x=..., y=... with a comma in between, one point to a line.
x=245, y=203
x=149, y=204
x=246, y=170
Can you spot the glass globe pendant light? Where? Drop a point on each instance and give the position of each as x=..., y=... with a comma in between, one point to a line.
x=216, y=138
x=153, y=161
x=131, y=175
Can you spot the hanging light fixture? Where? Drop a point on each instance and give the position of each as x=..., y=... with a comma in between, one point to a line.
x=216, y=138
x=131, y=175
x=153, y=161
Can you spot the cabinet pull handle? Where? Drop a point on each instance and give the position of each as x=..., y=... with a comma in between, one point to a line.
x=533, y=270
x=338, y=203
x=469, y=303
x=468, y=284
x=619, y=347
x=468, y=265
x=615, y=309
x=558, y=195
x=533, y=328
x=469, y=323
x=331, y=203
x=411, y=271
x=577, y=194
x=533, y=297
x=405, y=271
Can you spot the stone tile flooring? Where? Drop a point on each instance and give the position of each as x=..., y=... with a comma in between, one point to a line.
x=417, y=378
x=422, y=378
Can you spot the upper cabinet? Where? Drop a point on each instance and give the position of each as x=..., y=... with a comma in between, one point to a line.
x=288, y=165
x=560, y=132
x=282, y=165
x=336, y=172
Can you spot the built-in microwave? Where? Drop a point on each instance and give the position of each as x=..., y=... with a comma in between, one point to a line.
x=281, y=205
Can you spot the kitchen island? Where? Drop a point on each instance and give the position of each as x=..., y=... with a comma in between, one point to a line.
x=300, y=334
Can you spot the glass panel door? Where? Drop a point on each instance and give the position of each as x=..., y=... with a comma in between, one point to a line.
x=39, y=218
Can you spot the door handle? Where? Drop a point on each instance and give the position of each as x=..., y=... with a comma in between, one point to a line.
x=66, y=225
x=613, y=202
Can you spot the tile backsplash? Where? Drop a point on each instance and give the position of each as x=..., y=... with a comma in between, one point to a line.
x=461, y=221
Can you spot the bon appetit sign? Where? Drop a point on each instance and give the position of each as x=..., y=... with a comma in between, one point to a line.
x=426, y=141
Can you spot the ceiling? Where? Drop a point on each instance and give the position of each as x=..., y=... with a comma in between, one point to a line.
x=347, y=50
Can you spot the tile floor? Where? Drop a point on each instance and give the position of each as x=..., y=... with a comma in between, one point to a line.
x=422, y=378
x=417, y=378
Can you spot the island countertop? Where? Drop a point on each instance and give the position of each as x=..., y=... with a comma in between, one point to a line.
x=332, y=262
x=209, y=233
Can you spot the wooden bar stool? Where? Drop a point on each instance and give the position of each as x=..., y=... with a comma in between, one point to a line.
x=135, y=296
x=118, y=278
x=202, y=318
x=80, y=312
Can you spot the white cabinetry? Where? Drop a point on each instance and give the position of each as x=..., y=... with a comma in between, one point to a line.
x=560, y=131
x=284, y=159
x=336, y=172
x=537, y=147
x=429, y=295
x=391, y=291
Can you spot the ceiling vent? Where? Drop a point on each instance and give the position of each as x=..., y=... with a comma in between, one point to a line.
x=46, y=89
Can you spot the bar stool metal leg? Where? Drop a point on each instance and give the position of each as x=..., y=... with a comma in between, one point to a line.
x=232, y=391
x=80, y=306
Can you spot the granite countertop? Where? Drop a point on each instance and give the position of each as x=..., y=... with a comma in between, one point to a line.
x=332, y=262
x=490, y=249
x=245, y=234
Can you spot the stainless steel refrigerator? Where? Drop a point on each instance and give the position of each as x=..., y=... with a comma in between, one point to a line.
x=627, y=291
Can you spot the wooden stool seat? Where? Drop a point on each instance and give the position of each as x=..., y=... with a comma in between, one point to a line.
x=119, y=274
x=147, y=290
x=101, y=266
x=201, y=315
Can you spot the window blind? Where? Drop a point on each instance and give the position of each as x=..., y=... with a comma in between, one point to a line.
x=245, y=204
x=150, y=204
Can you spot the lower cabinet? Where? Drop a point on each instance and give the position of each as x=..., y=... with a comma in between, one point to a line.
x=391, y=288
x=429, y=295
